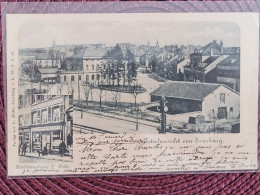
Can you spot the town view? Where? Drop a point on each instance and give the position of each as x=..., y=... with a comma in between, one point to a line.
x=139, y=88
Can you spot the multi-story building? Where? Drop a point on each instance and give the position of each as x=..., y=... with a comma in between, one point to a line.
x=85, y=66
x=44, y=121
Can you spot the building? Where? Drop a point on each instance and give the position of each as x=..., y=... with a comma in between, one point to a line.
x=213, y=100
x=44, y=121
x=48, y=75
x=228, y=72
x=48, y=60
x=85, y=66
x=202, y=68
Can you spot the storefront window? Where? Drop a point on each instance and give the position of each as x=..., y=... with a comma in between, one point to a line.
x=56, y=139
x=36, y=142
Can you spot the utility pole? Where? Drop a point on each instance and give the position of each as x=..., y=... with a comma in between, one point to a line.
x=78, y=85
x=163, y=109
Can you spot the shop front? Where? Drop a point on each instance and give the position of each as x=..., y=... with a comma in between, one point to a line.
x=49, y=136
x=24, y=138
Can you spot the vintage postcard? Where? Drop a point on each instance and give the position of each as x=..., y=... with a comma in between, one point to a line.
x=131, y=93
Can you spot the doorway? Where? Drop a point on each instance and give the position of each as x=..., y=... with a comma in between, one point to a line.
x=222, y=112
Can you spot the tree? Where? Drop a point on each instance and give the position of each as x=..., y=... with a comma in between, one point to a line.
x=135, y=90
x=153, y=64
x=101, y=93
x=116, y=97
x=88, y=89
x=115, y=59
x=131, y=66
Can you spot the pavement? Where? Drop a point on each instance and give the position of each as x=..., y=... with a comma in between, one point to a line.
x=48, y=158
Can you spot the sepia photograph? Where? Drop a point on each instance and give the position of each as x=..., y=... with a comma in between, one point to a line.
x=141, y=77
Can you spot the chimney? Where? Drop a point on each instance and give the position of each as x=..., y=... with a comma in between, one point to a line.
x=221, y=47
x=211, y=51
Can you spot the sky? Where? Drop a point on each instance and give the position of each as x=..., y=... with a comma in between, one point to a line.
x=42, y=33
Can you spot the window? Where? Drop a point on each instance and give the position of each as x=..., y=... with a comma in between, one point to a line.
x=21, y=120
x=26, y=119
x=44, y=116
x=222, y=97
x=93, y=77
x=20, y=101
x=87, y=67
x=26, y=102
x=72, y=78
x=33, y=99
x=65, y=78
x=79, y=77
x=49, y=114
x=56, y=113
x=231, y=109
x=93, y=67
x=87, y=78
x=34, y=118
x=39, y=117
x=98, y=77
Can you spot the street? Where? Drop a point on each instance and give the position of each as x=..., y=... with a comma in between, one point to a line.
x=115, y=125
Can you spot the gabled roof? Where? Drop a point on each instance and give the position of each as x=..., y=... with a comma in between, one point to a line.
x=48, y=70
x=232, y=60
x=43, y=56
x=89, y=53
x=94, y=53
x=78, y=55
x=185, y=90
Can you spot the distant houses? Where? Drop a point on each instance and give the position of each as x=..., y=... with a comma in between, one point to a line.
x=212, y=63
x=213, y=100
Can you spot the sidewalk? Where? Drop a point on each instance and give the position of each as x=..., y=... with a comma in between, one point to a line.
x=50, y=157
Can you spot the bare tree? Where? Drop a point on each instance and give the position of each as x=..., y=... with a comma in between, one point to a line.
x=88, y=90
x=136, y=89
x=101, y=93
x=116, y=97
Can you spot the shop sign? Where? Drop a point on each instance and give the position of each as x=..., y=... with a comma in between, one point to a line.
x=47, y=128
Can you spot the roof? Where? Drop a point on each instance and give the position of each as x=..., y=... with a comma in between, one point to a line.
x=185, y=90
x=48, y=70
x=212, y=45
x=43, y=56
x=89, y=53
x=94, y=53
x=232, y=60
x=210, y=59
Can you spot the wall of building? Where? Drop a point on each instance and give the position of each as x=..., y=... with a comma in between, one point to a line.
x=213, y=102
x=177, y=106
x=230, y=82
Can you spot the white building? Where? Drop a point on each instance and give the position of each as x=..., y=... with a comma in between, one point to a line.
x=215, y=101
